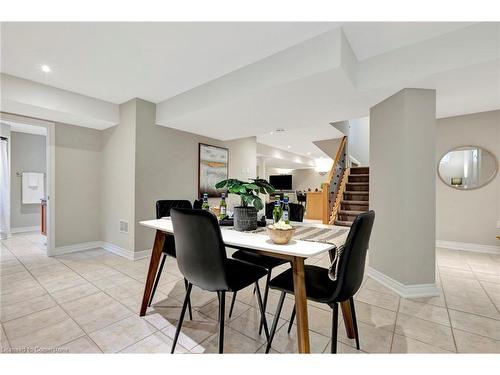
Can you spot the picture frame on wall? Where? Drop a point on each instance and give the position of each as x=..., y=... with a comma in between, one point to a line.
x=213, y=166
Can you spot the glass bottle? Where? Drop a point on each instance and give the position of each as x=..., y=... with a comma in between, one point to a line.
x=277, y=211
x=205, y=205
x=222, y=207
x=286, y=210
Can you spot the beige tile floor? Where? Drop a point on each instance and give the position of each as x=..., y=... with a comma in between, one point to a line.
x=88, y=302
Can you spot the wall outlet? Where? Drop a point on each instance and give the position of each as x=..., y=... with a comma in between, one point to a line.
x=123, y=226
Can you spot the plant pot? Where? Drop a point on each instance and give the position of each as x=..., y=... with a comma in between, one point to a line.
x=245, y=218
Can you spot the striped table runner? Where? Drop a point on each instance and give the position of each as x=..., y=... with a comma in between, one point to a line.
x=335, y=236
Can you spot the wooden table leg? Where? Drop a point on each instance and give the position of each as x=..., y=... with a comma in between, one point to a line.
x=153, y=268
x=348, y=322
x=299, y=287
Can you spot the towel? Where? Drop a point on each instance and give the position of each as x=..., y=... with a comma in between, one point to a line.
x=32, y=187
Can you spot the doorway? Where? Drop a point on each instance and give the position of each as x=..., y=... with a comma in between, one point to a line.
x=27, y=173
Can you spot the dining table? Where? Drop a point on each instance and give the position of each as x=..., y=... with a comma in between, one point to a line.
x=296, y=252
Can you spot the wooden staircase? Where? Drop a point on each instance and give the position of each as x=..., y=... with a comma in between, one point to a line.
x=354, y=200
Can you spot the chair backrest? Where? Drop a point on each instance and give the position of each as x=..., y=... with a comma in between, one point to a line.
x=163, y=207
x=352, y=262
x=296, y=211
x=269, y=210
x=197, y=204
x=201, y=255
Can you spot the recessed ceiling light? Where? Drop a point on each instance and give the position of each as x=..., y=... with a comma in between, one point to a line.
x=288, y=146
x=271, y=133
x=45, y=68
x=308, y=153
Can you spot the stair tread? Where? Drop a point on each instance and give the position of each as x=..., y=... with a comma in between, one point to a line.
x=359, y=203
x=350, y=212
x=360, y=174
x=364, y=192
x=343, y=223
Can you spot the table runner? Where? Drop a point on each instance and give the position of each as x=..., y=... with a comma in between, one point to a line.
x=335, y=236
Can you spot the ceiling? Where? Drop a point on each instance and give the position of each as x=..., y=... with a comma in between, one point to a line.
x=231, y=80
x=301, y=140
x=116, y=61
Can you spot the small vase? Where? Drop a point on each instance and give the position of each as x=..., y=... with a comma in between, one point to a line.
x=245, y=218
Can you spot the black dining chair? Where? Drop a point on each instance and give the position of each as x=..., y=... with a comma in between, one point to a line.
x=267, y=262
x=201, y=256
x=321, y=288
x=197, y=204
x=163, y=208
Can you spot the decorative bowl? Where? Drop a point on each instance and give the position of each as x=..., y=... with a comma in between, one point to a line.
x=280, y=236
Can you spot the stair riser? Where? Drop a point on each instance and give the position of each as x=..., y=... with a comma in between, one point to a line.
x=353, y=207
x=360, y=178
x=355, y=197
x=360, y=170
x=352, y=187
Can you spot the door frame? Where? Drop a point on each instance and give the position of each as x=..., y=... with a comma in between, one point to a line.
x=50, y=151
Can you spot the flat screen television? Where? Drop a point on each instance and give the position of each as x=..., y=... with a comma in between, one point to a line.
x=281, y=182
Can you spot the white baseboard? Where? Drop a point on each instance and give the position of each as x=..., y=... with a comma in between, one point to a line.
x=132, y=255
x=112, y=248
x=77, y=247
x=25, y=229
x=465, y=246
x=405, y=291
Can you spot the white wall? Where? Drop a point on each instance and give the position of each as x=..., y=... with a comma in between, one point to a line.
x=118, y=178
x=403, y=187
x=359, y=140
x=78, y=184
x=468, y=216
x=28, y=154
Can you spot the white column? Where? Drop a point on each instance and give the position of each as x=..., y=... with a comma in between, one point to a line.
x=403, y=192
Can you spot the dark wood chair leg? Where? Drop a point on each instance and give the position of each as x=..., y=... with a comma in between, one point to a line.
x=335, y=325
x=290, y=325
x=189, y=302
x=266, y=295
x=157, y=279
x=181, y=319
x=275, y=321
x=222, y=303
x=354, y=322
x=263, y=320
x=232, y=304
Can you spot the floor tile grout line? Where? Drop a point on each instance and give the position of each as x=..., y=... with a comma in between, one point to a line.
x=448, y=313
x=487, y=294
x=395, y=323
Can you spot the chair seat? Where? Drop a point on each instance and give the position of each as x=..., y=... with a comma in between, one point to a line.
x=319, y=286
x=258, y=259
x=241, y=274
x=169, y=245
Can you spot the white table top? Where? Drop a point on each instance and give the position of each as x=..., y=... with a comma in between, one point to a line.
x=258, y=241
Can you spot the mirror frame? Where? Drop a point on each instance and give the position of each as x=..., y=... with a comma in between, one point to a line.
x=474, y=188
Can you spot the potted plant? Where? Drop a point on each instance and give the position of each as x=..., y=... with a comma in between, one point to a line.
x=245, y=215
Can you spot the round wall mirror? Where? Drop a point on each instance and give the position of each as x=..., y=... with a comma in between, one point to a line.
x=467, y=167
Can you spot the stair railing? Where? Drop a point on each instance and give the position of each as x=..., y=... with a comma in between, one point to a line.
x=331, y=187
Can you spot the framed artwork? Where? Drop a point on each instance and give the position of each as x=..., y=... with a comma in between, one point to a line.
x=213, y=165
